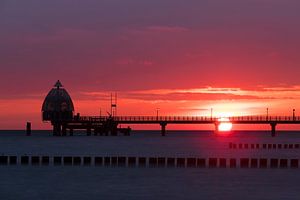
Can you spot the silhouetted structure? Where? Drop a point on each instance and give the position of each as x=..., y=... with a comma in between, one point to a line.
x=58, y=104
x=28, y=128
x=57, y=107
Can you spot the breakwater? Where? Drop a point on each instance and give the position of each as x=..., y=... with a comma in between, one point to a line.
x=150, y=162
x=263, y=146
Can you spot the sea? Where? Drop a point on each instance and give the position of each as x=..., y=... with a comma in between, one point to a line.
x=94, y=182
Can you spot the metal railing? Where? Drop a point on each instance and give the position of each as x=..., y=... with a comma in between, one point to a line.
x=191, y=118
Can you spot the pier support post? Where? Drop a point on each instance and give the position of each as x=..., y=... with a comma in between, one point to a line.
x=163, y=129
x=217, y=127
x=273, y=129
x=114, y=129
x=89, y=131
x=28, y=129
x=71, y=132
x=54, y=130
x=57, y=129
x=95, y=131
x=64, y=130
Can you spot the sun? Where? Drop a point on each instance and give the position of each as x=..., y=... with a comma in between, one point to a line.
x=225, y=124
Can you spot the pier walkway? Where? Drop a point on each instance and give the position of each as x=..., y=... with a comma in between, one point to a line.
x=92, y=122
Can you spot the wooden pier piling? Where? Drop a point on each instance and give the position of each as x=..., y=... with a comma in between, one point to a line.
x=28, y=128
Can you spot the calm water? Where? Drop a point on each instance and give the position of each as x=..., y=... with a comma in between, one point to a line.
x=53, y=182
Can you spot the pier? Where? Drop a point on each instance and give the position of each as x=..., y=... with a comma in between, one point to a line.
x=109, y=125
x=58, y=108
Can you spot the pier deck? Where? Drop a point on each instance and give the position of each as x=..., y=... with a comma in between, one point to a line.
x=109, y=125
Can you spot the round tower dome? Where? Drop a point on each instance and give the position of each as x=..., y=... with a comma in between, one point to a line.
x=58, y=104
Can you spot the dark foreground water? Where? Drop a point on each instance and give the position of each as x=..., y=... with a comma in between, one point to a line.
x=79, y=182
x=153, y=183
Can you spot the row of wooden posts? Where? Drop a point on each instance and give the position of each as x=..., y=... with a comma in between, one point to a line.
x=263, y=146
x=123, y=161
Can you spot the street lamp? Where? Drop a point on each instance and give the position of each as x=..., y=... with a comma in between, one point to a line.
x=267, y=113
x=157, y=110
x=294, y=114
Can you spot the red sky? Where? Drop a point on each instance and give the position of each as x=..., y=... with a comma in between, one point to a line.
x=184, y=57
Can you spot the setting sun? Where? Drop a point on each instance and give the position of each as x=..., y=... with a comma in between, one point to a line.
x=225, y=124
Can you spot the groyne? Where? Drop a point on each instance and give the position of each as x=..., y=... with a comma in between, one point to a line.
x=149, y=162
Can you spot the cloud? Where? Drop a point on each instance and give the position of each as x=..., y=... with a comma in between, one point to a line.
x=134, y=62
x=145, y=30
x=94, y=95
x=186, y=96
x=59, y=35
x=208, y=93
x=193, y=94
x=173, y=29
x=22, y=96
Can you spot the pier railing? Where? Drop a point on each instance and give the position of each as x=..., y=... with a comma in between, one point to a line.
x=191, y=118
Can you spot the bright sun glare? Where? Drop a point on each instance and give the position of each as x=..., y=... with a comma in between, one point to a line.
x=225, y=124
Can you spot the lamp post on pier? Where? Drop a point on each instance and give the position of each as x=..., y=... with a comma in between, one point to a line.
x=267, y=114
x=294, y=115
x=157, y=110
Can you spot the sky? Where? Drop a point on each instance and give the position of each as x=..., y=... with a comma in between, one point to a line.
x=183, y=57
